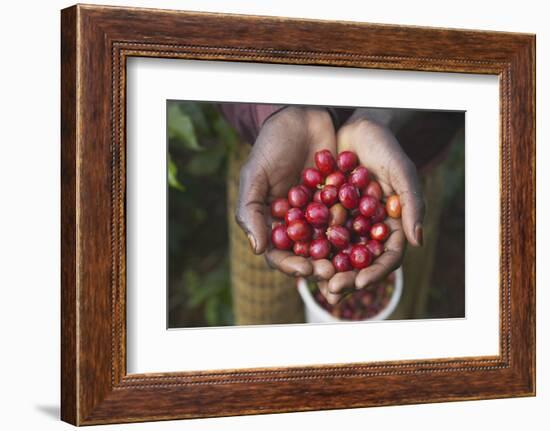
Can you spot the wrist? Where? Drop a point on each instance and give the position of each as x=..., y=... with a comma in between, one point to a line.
x=302, y=119
x=364, y=130
x=262, y=113
x=379, y=116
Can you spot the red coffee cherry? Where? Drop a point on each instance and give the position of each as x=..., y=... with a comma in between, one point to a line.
x=317, y=214
x=298, y=196
x=380, y=215
x=375, y=247
x=301, y=248
x=342, y=262
x=360, y=257
x=280, y=239
x=279, y=207
x=299, y=230
x=317, y=196
x=294, y=214
x=368, y=206
x=361, y=225
x=329, y=195
x=336, y=179
x=319, y=248
x=349, y=196
x=324, y=160
x=346, y=161
x=312, y=178
x=339, y=236
x=359, y=177
x=373, y=189
x=379, y=232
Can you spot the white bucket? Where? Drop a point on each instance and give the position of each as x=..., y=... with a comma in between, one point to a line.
x=317, y=314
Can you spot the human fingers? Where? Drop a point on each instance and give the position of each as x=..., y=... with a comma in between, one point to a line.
x=251, y=206
x=388, y=261
x=289, y=263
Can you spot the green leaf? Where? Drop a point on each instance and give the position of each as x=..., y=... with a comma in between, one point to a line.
x=173, y=175
x=225, y=131
x=180, y=127
x=202, y=288
x=196, y=111
x=211, y=311
x=206, y=163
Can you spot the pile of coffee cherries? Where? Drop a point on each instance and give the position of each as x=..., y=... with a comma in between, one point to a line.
x=336, y=213
x=361, y=304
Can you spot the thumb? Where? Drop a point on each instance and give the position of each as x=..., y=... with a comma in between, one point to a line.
x=251, y=206
x=407, y=186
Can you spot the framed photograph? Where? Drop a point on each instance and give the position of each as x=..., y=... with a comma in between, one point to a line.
x=264, y=215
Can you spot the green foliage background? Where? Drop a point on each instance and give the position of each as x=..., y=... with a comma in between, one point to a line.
x=199, y=143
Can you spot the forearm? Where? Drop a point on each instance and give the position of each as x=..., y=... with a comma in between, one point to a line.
x=393, y=119
x=249, y=118
x=423, y=135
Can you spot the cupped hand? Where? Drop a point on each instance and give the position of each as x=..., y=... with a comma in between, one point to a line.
x=285, y=146
x=378, y=150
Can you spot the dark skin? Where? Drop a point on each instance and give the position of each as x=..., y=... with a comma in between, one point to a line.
x=285, y=146
x=367, y=134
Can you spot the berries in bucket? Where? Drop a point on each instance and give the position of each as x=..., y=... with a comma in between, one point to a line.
x=375, y=302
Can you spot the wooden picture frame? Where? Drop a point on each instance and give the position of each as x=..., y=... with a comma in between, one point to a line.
x=95, y=43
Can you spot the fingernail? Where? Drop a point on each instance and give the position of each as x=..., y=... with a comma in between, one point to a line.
x=252, y=242
x=359, y=286
x=419, y=234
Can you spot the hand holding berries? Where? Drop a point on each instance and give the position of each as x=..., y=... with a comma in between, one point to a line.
x=343, y=220
x=283, y=147
x=296, y=138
